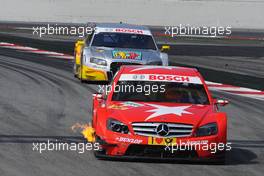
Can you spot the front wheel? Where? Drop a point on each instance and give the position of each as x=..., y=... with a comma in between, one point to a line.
x=80, y=74
x=221, y=160
x=75, y=70
x=99, y=154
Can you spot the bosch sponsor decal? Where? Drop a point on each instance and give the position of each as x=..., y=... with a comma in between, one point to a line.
x=123, y=30
x=127, y=30
x=135, y=55
x=161, y=78
x=129, y=140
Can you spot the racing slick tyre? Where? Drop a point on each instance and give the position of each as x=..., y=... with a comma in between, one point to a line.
x=99, y=154
x=81, y=79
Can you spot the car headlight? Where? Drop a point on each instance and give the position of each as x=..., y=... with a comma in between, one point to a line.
x=98, y=61
x=207, y=130
x=117, y=126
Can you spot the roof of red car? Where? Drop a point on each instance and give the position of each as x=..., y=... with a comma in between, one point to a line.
x=146, y=69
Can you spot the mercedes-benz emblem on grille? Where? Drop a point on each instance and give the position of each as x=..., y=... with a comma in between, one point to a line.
x=162, y=130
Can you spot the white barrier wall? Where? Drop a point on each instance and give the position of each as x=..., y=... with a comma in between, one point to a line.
x=235, y=13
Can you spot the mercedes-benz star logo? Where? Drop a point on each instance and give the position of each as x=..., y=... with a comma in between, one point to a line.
x=162, y=130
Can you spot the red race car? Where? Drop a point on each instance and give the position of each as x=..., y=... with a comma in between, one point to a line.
x=157, y=112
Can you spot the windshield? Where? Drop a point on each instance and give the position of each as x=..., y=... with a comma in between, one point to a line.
x=170, y=92
x=123, y=40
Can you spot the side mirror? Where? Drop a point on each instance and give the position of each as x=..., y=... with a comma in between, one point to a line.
x=165, y=48
x=79, y=42
x=221, y=102
x=98, y=100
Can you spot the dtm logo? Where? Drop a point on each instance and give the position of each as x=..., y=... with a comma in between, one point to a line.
x=162, y=130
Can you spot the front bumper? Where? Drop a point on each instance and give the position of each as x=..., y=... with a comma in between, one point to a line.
x=93, y=74
x=114, y=149
x=219, y=158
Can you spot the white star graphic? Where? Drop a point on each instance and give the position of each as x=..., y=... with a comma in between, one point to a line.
x=162, y=110
x=151, y=67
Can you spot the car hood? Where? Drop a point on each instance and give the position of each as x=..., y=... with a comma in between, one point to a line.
x=129, y=112
x=130, y=54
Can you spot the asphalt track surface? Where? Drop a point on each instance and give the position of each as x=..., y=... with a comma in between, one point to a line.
x=241, y=65
x=40, y=100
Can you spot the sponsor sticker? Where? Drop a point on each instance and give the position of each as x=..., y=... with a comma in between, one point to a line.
x=123, y=30
x=120, y=107
x=161, y=78
x=132, y=104
x=162, y=141
x=135, y=55
x=195, y=142
x=129, y=140
x=125, y=105
x=127, y=30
